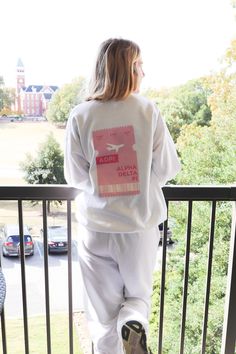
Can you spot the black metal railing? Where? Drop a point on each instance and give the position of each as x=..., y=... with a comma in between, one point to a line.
x=213, y=195
x=189, y=194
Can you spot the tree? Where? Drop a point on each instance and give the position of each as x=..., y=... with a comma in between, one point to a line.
x=223, y=98
x=208, y=153
x=47, y=166
x=183, y=105
x=176, y=115
x=64, y=100
x=208, y=157
x=7, y=95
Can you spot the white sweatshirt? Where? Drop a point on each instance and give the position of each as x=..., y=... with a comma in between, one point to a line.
x=119, y=154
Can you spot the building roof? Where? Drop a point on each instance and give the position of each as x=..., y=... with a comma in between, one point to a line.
x=47, y=96
x=41, y=88
x=20, y=63
x=33, y=88
x=54, y=88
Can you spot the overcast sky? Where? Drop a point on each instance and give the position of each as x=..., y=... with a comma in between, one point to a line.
x=57, y=40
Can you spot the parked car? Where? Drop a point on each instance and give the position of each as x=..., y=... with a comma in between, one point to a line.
x=15, y=118
x=57, y=239
x=11, y=241
x=169, y=235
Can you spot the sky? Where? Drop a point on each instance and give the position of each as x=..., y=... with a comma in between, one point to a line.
x=57, y=40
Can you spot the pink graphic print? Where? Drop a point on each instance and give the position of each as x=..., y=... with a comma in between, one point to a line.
x=116, y=161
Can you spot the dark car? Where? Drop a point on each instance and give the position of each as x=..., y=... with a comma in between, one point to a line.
x=11, y=241
x=57, y=239
x=169, y=235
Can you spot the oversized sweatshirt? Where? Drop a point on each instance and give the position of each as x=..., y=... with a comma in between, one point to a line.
x=119, y=155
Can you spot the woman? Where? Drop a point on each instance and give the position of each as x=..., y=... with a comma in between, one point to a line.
x=119, y=154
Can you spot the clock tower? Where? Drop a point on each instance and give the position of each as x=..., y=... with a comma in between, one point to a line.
x=20, y=76
x=20, y=83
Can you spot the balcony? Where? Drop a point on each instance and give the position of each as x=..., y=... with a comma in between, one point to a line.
x=176, y=196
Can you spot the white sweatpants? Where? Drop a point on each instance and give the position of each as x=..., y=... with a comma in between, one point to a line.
x=117, y=273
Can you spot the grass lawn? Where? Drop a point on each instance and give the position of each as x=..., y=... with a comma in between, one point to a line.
x=17, y=139
x=38, y=337
x=33, y=216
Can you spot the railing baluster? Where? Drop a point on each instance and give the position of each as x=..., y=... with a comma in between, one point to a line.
x=162, y=294
x=46, y=275
x=174, y=193
x=229, y=332
x=208, y=282
x=3, y=329
x=186, y=275
x=70, y=277
x=23, y=278
x=3, y=326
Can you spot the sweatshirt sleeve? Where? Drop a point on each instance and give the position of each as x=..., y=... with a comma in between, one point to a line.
x=76, y=167
x=165, y=161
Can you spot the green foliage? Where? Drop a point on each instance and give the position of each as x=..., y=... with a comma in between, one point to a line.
x=154, y=315
x=47, y=166
x=7, y=95
x=176, y=115
x=183, y=105
x=64, y=100
x=199, y=244
x=193, y=96
x=1, y=81
x=208, y=154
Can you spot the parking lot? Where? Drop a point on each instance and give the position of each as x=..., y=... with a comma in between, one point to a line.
x=58, y=282
x=34, y=265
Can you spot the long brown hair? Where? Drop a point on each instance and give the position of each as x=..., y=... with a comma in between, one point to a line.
x=114, y=76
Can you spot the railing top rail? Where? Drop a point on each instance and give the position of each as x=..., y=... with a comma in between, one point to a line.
x=204, y=193
x=38, y=192
x=64, y=192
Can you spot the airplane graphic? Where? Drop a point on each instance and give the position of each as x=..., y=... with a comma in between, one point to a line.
x=114, y=147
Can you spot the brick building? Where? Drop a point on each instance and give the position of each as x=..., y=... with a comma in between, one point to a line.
x=31, y=100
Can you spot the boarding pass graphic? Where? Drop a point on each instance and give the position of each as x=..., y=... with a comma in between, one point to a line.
x=116, y=161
